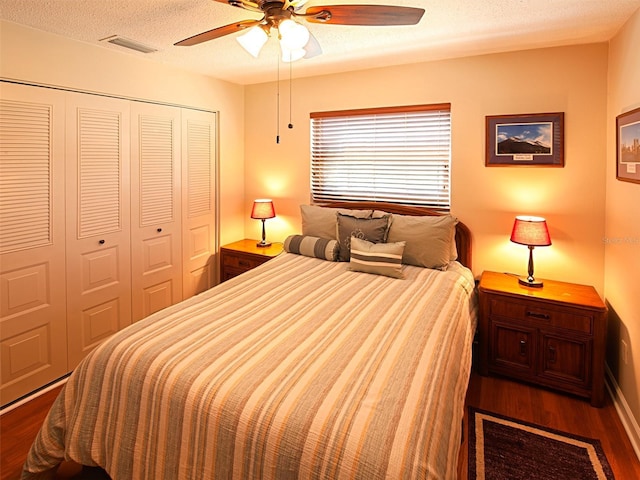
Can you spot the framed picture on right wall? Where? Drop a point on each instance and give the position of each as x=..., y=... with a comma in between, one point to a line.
x=628, y=146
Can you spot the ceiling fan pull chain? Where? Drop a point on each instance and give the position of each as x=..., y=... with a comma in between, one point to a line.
x=278, y=102
x=290, y=95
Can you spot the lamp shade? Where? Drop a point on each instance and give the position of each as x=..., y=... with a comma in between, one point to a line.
x=292, y=55
x=263, y=208
x=293, y=36
x=530, y=231
x=253, y=40
x=312, y=48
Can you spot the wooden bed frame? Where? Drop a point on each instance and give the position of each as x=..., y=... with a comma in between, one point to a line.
x=463, y=234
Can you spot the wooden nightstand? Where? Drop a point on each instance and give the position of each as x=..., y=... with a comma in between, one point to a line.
x=553, y=336
x=239, y=257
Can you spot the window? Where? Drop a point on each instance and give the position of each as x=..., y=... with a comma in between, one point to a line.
x=397, y=154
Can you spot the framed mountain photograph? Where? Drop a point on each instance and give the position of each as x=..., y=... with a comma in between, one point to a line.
x=535, y=139
x=628, y=146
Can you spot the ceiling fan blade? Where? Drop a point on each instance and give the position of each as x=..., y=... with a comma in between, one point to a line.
x=217, y=32
x=382, y=15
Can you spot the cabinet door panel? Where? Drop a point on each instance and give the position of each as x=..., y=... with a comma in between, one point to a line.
x=513, y=347
x=156, y=225
x=33, y=328
x=564, y=359
x=98, y=235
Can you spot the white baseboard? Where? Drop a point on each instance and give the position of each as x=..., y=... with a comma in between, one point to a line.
x=624, y=412
x=33, y=395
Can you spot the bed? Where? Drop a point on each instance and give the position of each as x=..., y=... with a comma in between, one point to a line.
x=302, y=368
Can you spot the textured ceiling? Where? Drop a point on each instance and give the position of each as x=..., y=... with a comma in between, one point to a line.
x=449, y=28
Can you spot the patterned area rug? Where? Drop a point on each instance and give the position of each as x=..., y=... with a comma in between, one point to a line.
x=505, y=448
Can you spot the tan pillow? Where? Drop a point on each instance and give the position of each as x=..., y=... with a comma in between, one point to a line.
x=428, y=239
x=321, y=221
x=454, y=249
x=378, y=258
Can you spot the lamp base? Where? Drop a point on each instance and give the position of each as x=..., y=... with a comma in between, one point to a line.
x=530, y=282
x=263, y=244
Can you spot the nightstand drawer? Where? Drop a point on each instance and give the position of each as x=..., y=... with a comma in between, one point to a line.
x=568, y=318
x=244, y=255
x=242, y=262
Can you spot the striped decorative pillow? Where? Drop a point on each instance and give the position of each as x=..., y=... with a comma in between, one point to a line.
x=323, y=248
x=378, y=258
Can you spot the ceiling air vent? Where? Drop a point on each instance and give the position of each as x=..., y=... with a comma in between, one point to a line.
x=131, y=44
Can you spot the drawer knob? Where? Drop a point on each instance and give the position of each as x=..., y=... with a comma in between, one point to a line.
x=158, y=230
x=543, y=316
x=101, y=242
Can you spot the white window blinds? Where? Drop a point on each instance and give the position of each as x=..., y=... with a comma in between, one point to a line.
x=398, y=154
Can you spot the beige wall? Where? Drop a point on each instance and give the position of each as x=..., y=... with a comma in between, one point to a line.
x=572, y=80
x=622, y=233
x=34, y=56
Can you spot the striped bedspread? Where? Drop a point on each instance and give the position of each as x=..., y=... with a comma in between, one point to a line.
x=298, y=369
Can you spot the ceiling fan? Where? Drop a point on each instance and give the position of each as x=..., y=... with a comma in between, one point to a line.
x=295, y=39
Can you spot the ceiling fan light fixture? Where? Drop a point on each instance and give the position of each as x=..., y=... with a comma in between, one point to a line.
x=253, y=40
x=312, y=48
x=292, y=55
x=293, y=36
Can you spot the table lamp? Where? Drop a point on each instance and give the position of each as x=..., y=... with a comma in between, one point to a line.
x=532, y=232
x=263, y=209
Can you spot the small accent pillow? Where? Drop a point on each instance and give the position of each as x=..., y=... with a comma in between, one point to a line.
x=322, y=248
x=429, y=239
x=378, y=258
x=374, y=230
x=321, y=221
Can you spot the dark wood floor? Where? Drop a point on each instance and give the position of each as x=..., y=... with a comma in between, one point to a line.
x=557, y=411
x=19, y=427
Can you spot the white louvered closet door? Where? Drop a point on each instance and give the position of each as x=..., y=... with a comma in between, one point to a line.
x=98, y=221
x=199, y=165
x=32, y=239
x=156, y=237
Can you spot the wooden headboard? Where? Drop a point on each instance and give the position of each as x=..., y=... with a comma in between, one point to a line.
x=463, y=234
